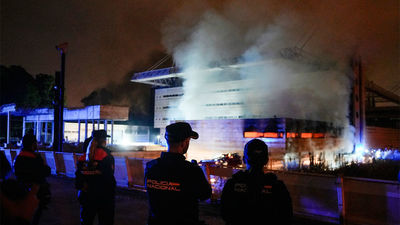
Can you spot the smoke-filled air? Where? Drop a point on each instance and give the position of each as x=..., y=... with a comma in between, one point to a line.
x=272, y=58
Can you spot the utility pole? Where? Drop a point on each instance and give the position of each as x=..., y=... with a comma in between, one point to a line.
x=59, y=101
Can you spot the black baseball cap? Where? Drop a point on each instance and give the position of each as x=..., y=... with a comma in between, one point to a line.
x=100, y=134
x=256, y=151
x=179, y=131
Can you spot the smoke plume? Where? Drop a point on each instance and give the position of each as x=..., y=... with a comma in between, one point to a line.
x=124, y=92
x=285, y=68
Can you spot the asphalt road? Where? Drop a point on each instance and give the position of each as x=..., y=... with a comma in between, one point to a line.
x=131, y=207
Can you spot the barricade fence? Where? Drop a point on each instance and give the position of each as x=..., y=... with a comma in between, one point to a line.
x=340, y=200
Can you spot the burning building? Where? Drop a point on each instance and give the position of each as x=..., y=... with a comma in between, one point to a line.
x=323, y=119
x=233, y=106
x=234, y=78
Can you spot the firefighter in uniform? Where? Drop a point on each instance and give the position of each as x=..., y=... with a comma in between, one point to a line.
x=95, y=181
x=30, y=170
x=252, y=197
x=174, y=185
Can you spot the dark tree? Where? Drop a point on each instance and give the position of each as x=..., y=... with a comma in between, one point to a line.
x=44, y=84
x=21, y=88
x=15, y=84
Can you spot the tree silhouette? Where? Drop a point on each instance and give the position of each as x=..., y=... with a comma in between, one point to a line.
x=26, y=91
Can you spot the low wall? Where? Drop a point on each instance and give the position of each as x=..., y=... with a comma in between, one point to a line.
x=368, y=201
x=51, y=162
x=7, y=153
x=121, y=171
x=313, y=195
x=323, y=198
x=136, y=167
x=333, y=199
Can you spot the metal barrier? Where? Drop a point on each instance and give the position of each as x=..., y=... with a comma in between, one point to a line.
x=334, y=199
x=121, y=171
x=368, y=201
x=129, y=172
x=136, y=169
x=16, y=153
x=314, y=196
x=69, y=164
x=51, y=162
x=59, y=160
x=325, y=198
x=7, y=153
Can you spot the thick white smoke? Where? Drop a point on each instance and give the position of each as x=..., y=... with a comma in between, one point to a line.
x=305, y=87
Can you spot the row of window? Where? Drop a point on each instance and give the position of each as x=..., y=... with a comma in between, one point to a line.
x=164, y=119
x=213, y=104
x=217, y=91
x=225, y=103
x=254, y=134
x=223, y=117
x=229, y=90
x=170, y=95
x=167, y=107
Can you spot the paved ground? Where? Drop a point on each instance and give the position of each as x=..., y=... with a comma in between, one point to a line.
x=131, y=207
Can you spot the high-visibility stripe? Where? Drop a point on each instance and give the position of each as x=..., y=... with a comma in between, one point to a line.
x=27, y=154
x=99, y=155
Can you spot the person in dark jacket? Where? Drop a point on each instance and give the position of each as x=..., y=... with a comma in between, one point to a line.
x=30, y=170
x=95, y=181
x=17, y=204
x=174, y=185
x=252, y=197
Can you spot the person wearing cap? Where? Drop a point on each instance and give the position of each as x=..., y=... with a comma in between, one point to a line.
x=95, y=181
x=30, y=170
x=174, y=185
x=254, y=197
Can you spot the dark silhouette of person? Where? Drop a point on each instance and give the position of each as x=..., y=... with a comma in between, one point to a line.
x=174, y=185
x=30, y=170
x=17, y=203
x=95, y=181
x=254, y=197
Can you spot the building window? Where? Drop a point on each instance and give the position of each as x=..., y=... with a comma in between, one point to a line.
x=225, y=103
x=172, y=95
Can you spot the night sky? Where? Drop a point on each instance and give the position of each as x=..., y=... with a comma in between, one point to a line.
x=108, y=39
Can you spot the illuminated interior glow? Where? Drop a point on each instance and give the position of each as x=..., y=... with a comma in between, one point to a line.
x=306, y=135
x=127, y=142
x=253, y=134
x=318, y=135
x=271, y=135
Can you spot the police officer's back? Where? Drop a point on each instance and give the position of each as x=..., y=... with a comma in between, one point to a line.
x=96, y=182
x=30, y=170
x=174, y=185
x=252, y=197
x=29, y=166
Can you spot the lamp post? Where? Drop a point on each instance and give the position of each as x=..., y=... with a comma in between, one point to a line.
x=59, y=101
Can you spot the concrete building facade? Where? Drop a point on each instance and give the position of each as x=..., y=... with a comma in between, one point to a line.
x=221, y=114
